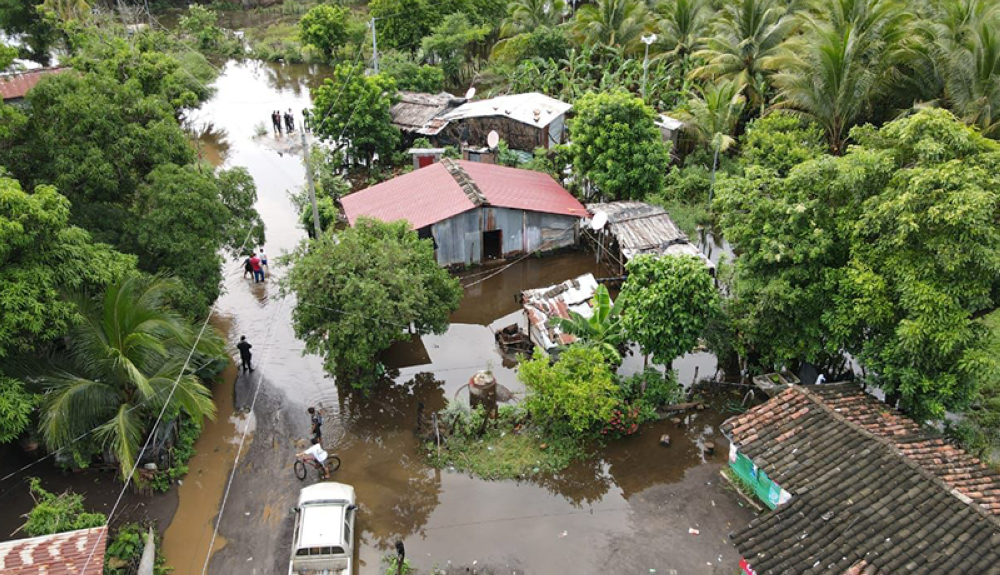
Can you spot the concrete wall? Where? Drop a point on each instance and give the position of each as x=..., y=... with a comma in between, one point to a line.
x=459, y=239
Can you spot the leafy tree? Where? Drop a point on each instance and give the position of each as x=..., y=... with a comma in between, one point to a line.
x=681, y=27
x=183, y=216
x=617, y=146
x=202, y=24
x=362, y=290
x=353, y=114
x=119, y=367
x=833, y=73
x=58, y=513
x=42, y=257
x=330, y=187
x=410, y=75
x=325, y=28
x=451, y=44
x=746, y=34
x=780, y=142
x=95, y=140
x=712, y=117
x=602, y=329
x=36, y=28
x=402, y=24
x=614, y=23
x=666, y=302
x=576, y=395
x=67, y=10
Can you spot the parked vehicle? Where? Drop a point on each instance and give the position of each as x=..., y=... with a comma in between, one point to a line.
x=323, y=539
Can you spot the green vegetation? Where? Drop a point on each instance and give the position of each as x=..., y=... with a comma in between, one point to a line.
x=125, y=547
x=324, y=28
x=576, y=395
x=364, y=289
x=602, y=329
x=57, y=513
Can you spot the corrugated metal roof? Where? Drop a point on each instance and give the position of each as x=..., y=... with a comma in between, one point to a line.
x=542, y=304
x=642, y=228
x=61, y=553
x=417, y=112
x=433, y=194
x=532, y=108
x=669, y=123
x=15, y=86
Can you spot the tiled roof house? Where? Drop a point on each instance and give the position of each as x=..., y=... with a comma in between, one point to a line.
x=858, y=489
x=59, y=554
x=14, y=87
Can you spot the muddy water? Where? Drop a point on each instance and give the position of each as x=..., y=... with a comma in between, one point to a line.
x=574, y=521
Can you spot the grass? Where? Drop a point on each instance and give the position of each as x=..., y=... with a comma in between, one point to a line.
x=741, y=486
x=688, y=216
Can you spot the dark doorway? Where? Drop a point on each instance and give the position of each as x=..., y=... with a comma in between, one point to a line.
x=492, y=245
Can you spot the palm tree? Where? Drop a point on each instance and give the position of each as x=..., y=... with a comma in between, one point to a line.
x=747, y=34
x=612, y=23
x=530, y=15
x=972, y=80
x=836, y=70
x=120, y=366
x=712, y=117
x=602, y=329
x=681, y=26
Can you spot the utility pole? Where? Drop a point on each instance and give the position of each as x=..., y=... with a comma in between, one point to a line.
x=647, y=40
x=312, y=186
x=374, y=46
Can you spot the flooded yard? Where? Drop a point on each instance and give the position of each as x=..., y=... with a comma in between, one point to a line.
x=626, y=509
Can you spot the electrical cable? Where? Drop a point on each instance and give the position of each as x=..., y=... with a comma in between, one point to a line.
x=159, y=417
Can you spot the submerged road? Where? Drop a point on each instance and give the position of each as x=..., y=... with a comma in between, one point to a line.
x=627, y=510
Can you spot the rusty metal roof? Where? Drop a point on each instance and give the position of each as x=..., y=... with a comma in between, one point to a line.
x=642, y=228
x=450, y=187
x=58, y=554
x=15, y=86
x=418, y=113
x=542, y=304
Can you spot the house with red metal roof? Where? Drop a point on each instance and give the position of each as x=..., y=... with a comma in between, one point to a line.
x=475, y=212
x=13, y=87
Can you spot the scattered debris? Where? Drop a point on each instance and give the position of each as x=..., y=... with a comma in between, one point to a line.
x=665, y=440
x=693, y=531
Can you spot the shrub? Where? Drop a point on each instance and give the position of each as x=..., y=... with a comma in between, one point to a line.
x=574, y=396
x=57, y=513
x=125, y=547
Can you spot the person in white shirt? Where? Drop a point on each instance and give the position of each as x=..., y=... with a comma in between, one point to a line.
x=316, y=456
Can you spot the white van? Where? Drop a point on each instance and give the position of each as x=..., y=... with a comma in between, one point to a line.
x=323, y=541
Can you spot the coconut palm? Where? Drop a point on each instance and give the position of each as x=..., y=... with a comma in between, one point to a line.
x=972, y=80
x=744, y=37
x=681, y=26
x=612, y=23
x=834, y=73
x=602, y=329
x=712, y=117
x=530, y=15
x=120, y=366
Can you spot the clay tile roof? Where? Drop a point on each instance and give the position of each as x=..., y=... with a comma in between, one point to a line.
x=15, y=86
x=59, y=554
x=873, y=493
x=450, y=187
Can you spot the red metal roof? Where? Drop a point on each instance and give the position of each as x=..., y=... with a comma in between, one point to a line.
x=430, y=195
x=16, y=86
x=59, y=554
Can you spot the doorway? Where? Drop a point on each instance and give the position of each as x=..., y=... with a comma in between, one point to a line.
x=492, y=245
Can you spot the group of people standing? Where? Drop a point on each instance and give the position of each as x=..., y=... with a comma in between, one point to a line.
x=289, y=121
x=255, y=264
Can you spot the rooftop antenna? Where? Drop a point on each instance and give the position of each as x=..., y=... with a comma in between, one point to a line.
x=493, y=139
x=471, y=93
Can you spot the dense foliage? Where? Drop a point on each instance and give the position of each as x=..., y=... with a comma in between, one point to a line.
x=574, y=396
x=371, y=285
x=57, y=513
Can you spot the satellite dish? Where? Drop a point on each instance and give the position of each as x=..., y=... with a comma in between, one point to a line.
x=493, y=139
x=599, y=221
x=471, y=93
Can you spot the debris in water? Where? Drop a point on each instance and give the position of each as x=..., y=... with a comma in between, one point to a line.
x=693, y=531
x=563, y=534
x=713, y=503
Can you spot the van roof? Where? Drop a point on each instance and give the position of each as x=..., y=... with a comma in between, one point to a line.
x=322, y=526
x=327, y=491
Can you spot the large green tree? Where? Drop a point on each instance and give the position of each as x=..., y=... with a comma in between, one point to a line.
x=365, y=288
x=666, y=304
x=452, y=44
x=351, y=111
x=119, y=368
x=617, y=146
x=324, y=27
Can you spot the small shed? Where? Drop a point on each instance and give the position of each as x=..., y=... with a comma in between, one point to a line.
x=66, y=552
x=670, y=129
x=638, y=228
x=857, y=488
x=416, y=113
x=475, y=212
x=14, y=87
x=543, y=304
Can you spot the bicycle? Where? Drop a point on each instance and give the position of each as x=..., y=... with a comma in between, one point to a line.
x=332, y=464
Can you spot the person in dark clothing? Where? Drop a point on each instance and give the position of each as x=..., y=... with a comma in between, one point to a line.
x=247, y=267
x=289, y=121
x=244, y=347
x=276, y=121
x=316, y=419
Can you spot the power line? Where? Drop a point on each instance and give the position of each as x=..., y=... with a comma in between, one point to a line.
x=159, y=417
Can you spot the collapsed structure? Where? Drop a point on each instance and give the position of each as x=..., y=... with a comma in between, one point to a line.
x=543, y=304
x=859, y=489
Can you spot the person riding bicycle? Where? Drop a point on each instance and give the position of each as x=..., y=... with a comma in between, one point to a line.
x=316, y=456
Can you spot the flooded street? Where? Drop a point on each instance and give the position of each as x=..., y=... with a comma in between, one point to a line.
x=627, y=509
